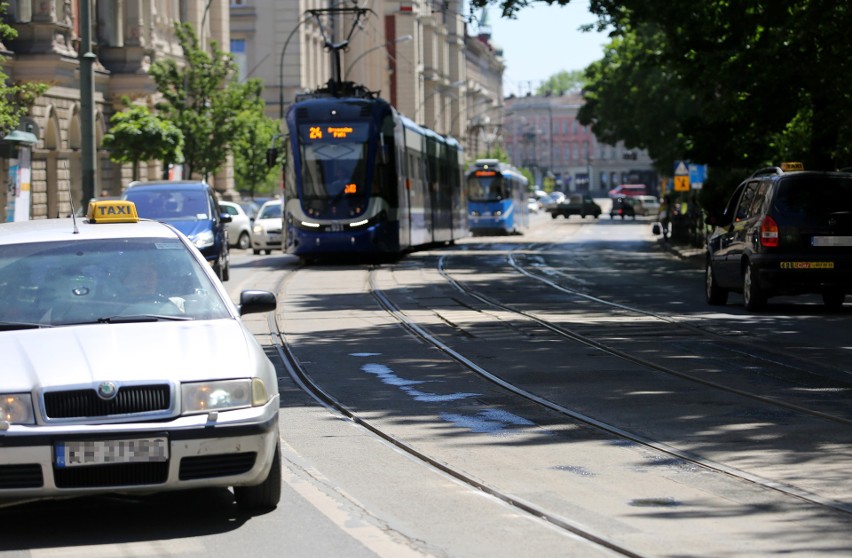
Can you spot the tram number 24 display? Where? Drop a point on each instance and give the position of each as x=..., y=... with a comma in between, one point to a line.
x=336, y=132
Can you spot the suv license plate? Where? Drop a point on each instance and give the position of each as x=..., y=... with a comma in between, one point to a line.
x=831, y=241
x=107, y=452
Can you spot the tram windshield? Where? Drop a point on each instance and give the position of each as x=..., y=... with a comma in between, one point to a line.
x=333, y=165
x=487, y=186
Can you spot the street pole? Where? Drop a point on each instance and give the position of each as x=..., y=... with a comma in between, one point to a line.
x=87, y=105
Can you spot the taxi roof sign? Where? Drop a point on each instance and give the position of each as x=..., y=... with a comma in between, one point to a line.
x=792, y=167
x=112, y=211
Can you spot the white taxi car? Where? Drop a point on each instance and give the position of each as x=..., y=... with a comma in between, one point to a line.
x=126, y=367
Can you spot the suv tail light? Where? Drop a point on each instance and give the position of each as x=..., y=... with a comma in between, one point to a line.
x=769, y=232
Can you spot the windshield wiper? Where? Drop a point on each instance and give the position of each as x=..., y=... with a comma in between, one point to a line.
x=12, y=326
x=141, y=318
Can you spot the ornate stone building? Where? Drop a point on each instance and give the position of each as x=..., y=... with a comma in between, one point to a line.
x=127, y=36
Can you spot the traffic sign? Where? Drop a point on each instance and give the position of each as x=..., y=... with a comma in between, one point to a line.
x=681, y=168
x=681, y=183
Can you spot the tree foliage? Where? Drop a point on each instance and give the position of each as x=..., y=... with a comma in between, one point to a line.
x=562, y=83
x=15, y=98
x=255, y=136
x=138, y=135
x=733, y=84
x=201, y=99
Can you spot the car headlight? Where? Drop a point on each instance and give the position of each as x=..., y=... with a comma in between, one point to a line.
x=17, y=408
x=257, y=229
x=203, y=239
x=222, y=395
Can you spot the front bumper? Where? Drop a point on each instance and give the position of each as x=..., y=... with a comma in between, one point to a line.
x=234, y=448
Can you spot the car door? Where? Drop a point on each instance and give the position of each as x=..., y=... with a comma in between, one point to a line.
x=719, y=245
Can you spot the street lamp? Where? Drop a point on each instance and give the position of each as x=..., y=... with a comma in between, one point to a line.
x=401, y=39
x=281, y=69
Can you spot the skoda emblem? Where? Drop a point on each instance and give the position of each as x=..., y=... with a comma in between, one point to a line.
x=107, y=390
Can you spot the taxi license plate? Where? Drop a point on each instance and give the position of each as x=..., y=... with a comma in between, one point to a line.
x=108, y=452
x=831, y=241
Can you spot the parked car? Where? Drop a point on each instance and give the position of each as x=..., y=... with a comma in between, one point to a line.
x=533, y=205
x=783, y=232
x=575, y=204
x=239, y=229
x=647, y=205
x=126, y=366
x=266, y=230
x=191, y=207
x=623, y=207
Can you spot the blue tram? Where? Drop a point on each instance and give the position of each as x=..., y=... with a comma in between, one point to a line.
x=497, y=198
x=362, y=179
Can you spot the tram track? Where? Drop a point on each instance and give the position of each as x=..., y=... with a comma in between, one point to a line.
x=775, y=360
x=303, y=380
x=425, y=336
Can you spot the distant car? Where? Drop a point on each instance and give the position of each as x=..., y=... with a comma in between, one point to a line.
x=647, y=205
x=534, y=205
x=126, y=367
x=192, y=208
x=784, y=231
x=628, y=190
x=575, y=204
x=239, y=229
x=266, y=229
x=623, y=207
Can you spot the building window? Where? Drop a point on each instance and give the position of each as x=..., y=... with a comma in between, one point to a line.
x=238, y=50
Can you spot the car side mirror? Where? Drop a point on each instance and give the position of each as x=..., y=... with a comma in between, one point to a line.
x=225, y=217
x=253, y=302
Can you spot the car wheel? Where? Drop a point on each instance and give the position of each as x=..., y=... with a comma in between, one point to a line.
x=265, y=495
x=244, y=241
x=267, y=252
x=226, y=270
x=255, y=251
x=553, y=215
x=716, y=295
x=833, y=298
x=754, y=296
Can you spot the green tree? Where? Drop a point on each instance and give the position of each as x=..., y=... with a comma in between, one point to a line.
x=253, y=139
x=752, y=81
x=562, y=82
x=138, y=135
x=201, y=99
x=15, y=98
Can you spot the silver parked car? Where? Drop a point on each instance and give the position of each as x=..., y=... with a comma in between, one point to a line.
x=239, y=229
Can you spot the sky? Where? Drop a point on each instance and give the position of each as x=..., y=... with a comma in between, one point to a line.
x=544, y=40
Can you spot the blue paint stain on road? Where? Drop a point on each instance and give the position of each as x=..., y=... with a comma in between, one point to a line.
x=489, y=421
x=387, y=376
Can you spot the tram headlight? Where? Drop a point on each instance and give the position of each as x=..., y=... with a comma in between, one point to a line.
x=474, y=214
x=498, y=213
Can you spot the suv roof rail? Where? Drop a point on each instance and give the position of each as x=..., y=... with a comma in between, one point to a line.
x=767, y=170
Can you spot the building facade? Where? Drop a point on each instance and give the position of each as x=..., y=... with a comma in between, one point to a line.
x=127, y=37
x=544, y=135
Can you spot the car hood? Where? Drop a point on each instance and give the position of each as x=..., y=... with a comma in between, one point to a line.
x=173, y=351
x=191, y=228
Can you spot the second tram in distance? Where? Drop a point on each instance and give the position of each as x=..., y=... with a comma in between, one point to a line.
x=497, y=196
x=362, y=179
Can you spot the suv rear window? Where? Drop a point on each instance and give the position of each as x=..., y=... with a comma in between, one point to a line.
x=815, y=196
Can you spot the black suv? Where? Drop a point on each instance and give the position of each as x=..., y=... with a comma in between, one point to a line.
x=575, y=204
x=783, y=233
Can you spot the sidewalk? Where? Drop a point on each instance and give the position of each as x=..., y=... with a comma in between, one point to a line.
x=685, y=252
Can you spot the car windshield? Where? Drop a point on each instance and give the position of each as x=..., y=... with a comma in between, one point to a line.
x=103, y=281
x=170, y=205
x=271, y=211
